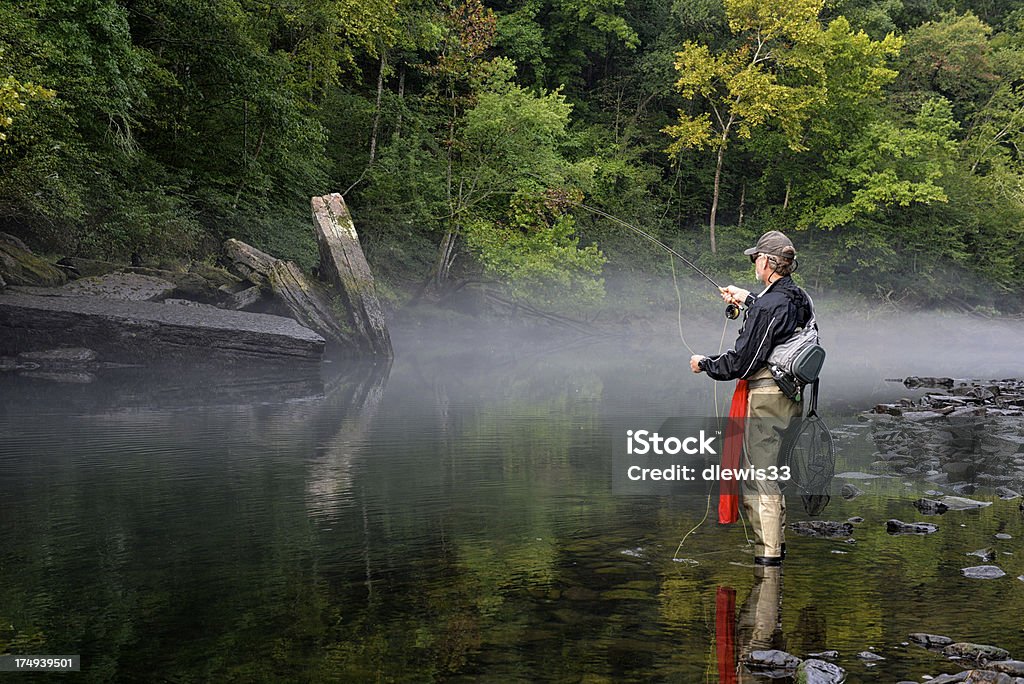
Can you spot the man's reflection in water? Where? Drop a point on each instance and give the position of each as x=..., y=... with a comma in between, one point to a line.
x=758, y=627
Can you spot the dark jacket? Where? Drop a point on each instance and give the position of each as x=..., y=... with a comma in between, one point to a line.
x=771, y=318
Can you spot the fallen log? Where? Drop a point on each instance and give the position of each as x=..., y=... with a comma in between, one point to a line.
x=249, y=262
x=308, y=302
x=343, y=265
x=150, y=332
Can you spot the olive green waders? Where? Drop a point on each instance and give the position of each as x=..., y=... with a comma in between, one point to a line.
x=771, y=412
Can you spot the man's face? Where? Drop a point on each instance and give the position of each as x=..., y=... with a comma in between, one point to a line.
x=760, y=266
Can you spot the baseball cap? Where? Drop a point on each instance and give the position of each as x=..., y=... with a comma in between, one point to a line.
x=773, y=242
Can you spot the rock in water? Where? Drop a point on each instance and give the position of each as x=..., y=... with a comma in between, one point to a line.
x=773, y=660
x=959, y=503
x=976, y=677
x=987, y=554
x=930, y=640
x=812, y=671
x=150, y=332
x=343, y=264
x=900, y=527
x=1007, y=493
x=1010, y=667
x=983, y=572
x=930, y=506
x=822, y=528
x=850, y=491
x=964, y=649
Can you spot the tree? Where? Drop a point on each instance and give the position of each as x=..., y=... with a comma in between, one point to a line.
x=773, y=74
x=14, y=97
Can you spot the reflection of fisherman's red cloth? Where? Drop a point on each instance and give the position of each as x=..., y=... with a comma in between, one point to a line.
x=725, y=634
x=728, y=498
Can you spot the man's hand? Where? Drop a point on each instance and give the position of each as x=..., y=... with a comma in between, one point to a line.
x=734, y=295
x=695, y=362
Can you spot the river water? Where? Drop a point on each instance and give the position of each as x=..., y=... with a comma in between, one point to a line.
x=451, y=517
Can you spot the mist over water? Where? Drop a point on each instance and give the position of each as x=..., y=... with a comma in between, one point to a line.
x=450, y=516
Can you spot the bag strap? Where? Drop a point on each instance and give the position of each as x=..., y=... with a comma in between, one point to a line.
x=813, y=411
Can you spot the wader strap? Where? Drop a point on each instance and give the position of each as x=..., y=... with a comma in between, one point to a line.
x=763, y=382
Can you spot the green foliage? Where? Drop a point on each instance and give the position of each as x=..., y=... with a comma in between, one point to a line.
x=157, y=129
x=537, y=253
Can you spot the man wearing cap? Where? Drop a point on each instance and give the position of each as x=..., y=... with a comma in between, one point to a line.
x=771, y=317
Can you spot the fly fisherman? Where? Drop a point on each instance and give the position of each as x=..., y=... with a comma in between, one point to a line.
x=771, y=317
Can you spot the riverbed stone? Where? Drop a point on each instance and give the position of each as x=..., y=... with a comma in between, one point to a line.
x=966, y=649
x=773, y=659
x=814, y=671
x=1010, y=667
x=987, y=554
x=983, y=572
x=930, y=506
x=930, y=640
x=850, y=491
x=828, y=529
x=960, y=503
x=899, y=527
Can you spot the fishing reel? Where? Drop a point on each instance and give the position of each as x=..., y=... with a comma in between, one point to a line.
x=732, y=311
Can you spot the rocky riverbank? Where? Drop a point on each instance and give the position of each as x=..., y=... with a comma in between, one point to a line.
x=252, y=308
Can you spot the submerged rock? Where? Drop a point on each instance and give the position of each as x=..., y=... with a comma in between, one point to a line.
x=899, y=527
x=987, y=554
x=1006, y=493
x=959, y=503
x=850, y=491
x=813, y=671
x=930, y=507
x=983, y=572
x=822, y=528
x=869, y=656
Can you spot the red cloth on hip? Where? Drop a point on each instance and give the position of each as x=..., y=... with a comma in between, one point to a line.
x=728, y=497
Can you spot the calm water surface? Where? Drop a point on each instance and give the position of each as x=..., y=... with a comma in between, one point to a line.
x=447, y=518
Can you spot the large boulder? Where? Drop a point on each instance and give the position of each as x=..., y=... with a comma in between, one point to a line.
x=19, y=266
x=343, y=265
x=131, y=287
x=151, y=332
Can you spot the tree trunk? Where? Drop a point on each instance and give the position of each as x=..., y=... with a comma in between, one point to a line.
x=376, y=111
x=714, y=200
x=743, y=197
x=401, y=101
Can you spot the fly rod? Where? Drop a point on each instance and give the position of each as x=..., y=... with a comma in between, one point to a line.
x=732, y=311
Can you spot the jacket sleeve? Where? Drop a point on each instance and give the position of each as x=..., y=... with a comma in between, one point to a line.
x=753, y=346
